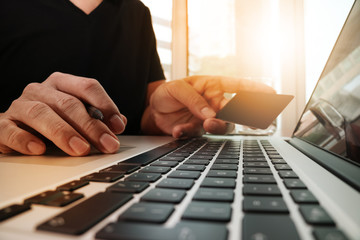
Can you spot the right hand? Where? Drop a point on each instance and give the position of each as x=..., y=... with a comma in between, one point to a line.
x=55, y=109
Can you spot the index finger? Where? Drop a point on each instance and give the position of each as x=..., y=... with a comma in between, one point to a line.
x=90, y=91
x=233, y=85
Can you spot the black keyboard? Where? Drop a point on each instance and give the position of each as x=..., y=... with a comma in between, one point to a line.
x=200, y=175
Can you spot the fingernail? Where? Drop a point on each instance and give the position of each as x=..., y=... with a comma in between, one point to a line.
x=35, y=147
x=78, y=145
x=208, y=112
x=117, y=123
x=109, y=143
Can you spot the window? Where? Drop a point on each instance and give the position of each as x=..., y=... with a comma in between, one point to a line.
x=235, y=38
x=161, y=12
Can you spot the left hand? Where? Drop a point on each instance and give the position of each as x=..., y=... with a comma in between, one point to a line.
x=187, y=107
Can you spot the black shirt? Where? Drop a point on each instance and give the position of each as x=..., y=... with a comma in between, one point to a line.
x=114, y=44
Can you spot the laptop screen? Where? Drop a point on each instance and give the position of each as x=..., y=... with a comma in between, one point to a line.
x=331, y=119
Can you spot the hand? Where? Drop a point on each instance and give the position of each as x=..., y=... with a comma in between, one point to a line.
x=55, y=109
x=187, y=107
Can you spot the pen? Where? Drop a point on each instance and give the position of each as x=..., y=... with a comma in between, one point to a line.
x=94, y=112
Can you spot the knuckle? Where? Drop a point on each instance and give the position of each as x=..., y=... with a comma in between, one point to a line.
x=12, y=137
x=89, y=84
x=4, y=124
x=173, y=85
x=194, y=100
x=90, y=125
x=31, y=87
x=55, y=75
x=57, y=129
x=36, y=110
x=68, y=103
x=4, y=149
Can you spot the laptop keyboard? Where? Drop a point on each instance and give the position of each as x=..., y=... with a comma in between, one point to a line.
x=200, y=175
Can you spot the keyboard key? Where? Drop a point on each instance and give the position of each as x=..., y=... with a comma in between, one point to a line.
x=256, y=164
x=71, y=186
x=143, y=177
x=222, y=173
x=316, y=215
x=13, y=210
x=261, y=171
x=329, y=233
x=268, y=226
x=294, y=184
x=43, y=198
x=261, y=189
x=224, y=167
x=200, y=157
x=259, y=179
x=206, y=153
x=228, y=156
x=147, y=212
x=218, y=182
x=165, y=163
x=197, y=162
x=184, y=174
x=287, y=174
x=128, y=187
x=155, y=169
x=208, y=211
x=121, y=168
x=188, y=167
x=83, y=216
x=64, y=200
x=164, y=195
x=282, y=167
x=274, y=156
x=253, y=155
x=264, y=205
x=179, y=154
x=182, y=230
x=278, y=161
x=255, y=159
x=226, y=161
x=54, y=198
x=103, y=177
x=214, y=194
x=303, y=196
x=150, y=156
x=176, y=183
x=169, y=158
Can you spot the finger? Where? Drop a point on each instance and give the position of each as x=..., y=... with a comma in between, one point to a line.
x=44, y=120
x=190, y=129
x=90, y=91
x=185, y=95
x=73, y=111
x=14, y=138
x=217, y=126
x=231, y=84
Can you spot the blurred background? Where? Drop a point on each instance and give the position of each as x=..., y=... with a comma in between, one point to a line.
x=283, y=43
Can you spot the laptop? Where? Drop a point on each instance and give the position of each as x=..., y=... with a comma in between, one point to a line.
x=213, y=187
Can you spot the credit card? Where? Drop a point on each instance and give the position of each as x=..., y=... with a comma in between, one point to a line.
x=254, y=109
